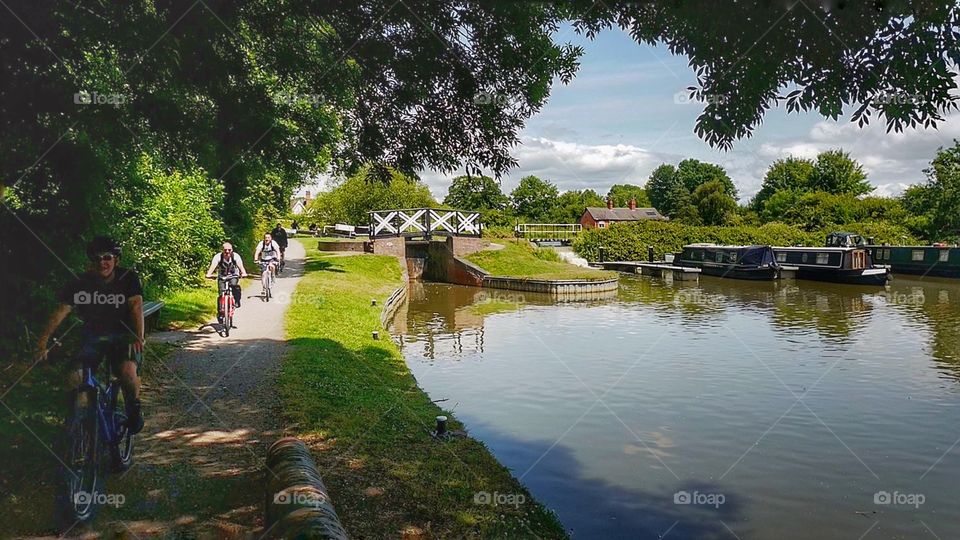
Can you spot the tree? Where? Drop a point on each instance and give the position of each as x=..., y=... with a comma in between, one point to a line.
x=714, y=205
x=790, y=174
x=938, y=200
x=835, y=172
x=533, y=198
x=693, y=173
x=622, y=193
x=476, y=193
x=665, y=189
x=352, y=200
x=570, y=205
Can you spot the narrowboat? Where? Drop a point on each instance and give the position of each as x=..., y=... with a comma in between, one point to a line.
x=845, y=259
x=736, y=262
x=935, y=260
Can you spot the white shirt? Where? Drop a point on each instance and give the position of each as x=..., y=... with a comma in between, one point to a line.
x=269, y=252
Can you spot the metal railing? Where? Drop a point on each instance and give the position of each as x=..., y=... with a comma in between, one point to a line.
x=548, y=231
x=425, y=222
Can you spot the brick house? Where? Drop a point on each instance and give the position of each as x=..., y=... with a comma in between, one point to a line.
x=599, y=217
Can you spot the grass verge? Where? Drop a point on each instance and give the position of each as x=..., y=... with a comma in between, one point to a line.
x=520, y=259
x=354, y=401
x=189, y=307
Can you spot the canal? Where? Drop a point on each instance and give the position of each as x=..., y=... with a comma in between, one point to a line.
x=723, y=409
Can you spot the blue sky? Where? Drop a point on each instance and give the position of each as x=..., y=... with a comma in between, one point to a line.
x=627, y=111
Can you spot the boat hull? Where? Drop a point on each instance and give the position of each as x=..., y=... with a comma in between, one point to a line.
x=769, y=273
x=870, y=276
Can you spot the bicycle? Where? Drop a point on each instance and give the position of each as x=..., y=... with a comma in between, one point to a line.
x=266, y=279
x=225, y=305
x=97, y=422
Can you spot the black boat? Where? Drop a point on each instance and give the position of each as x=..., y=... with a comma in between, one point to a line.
x=736, y=262
x=845, y=259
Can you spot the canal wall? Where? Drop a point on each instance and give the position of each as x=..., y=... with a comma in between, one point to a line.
x=358, y=246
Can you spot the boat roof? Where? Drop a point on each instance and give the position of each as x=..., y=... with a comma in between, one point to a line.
x=721, y=246
x=815, y=248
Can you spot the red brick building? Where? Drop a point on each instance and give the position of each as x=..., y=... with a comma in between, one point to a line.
x=599, y=217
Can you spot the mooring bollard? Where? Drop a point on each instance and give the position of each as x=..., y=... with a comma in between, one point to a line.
x=650, y=253
x=602, y=253
x=373, y=302
x=441, y=426
x=376, y=335
x=298, y=505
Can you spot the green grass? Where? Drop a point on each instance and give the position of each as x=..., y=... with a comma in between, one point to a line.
x=520, y=259
x=189, y=307
x=355, y=402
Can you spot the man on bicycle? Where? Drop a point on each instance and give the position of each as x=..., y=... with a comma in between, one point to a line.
x=279, y=235
x=109, y=301
x=267, y=253
x=228, y=264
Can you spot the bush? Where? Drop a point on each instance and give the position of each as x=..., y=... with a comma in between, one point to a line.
x=629, y=241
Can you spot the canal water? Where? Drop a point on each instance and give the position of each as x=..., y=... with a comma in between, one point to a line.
x=723, y=409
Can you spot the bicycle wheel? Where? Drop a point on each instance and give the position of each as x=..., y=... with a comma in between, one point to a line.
x=227, y=317
x=121, y=454
x=265, y=282
x=82, y=475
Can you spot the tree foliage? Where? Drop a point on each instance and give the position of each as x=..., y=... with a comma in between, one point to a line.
x=533, y=198
x=570, y=205
x=937, y=202
x=714, y=205
x=622, y=193
x=475, y=193
x=789, y=174
x=835, y=172
x=353, y=199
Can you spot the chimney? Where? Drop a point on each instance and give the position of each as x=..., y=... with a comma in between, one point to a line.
x=633, y=203
x=308, y=196
x=609, y=203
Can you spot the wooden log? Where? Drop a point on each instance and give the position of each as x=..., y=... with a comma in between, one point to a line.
x=298, y=505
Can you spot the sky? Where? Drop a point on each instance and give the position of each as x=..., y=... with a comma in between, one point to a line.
x=627, y=111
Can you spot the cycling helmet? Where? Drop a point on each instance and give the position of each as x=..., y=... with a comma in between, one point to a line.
x=102, y=244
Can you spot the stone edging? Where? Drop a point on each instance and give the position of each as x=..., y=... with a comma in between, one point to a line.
x=557, y=287
x=393, y=303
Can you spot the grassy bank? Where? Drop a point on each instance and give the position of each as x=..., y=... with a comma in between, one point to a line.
x=189, y=307
x=354, y=401
x=520, y=259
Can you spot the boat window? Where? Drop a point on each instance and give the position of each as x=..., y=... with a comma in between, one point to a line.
x=782, y=256
x=803, y=257
x=917, y=254
x=823, y=258
x=944, y=255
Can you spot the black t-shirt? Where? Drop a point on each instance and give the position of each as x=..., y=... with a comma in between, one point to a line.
x=104, y=307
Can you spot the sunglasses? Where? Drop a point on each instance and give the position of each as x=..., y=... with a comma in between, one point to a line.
x=227, y=250
x=103, y=257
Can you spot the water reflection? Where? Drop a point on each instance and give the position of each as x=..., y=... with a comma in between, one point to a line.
x=607, y=409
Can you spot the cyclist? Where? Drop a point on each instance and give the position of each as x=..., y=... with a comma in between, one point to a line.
x=109, y=300
x=228, y=263
x=279, y=235
x=267, y=252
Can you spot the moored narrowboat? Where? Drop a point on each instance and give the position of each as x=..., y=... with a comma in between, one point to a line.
x=936, y=260
x=851, y=265
x=735, y=262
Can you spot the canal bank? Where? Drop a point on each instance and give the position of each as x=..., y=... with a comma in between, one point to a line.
x=351, y=397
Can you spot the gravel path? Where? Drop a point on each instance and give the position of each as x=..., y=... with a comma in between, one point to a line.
x=211, y=411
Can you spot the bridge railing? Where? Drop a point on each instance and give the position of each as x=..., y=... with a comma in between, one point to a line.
x=548, y=231
x=412, y=222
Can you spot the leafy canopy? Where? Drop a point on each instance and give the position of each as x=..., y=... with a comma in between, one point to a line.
x=533, y=198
